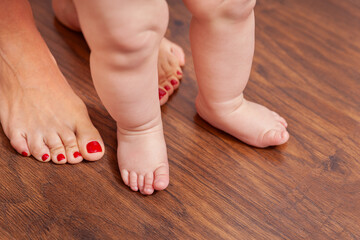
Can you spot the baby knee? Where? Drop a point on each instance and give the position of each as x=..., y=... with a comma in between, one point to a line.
x=224, y=9
x=130, y=39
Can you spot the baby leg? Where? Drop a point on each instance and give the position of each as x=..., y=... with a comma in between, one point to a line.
x=222, y=41
x=124, y=38
x=171, y=56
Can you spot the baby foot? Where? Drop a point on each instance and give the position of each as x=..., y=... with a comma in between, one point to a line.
x=143, y=160
x=171, y=56
x=250, y=122
x=40, y=113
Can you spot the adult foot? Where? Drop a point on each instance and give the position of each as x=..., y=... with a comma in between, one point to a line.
x=40, y=113
x=171, y=56
x=142, y=159
x=250, y=122
x=171, y=59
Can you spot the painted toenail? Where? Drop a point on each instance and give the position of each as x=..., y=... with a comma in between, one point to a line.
x=60, y=157
x=162, y=93
x=25, y=154
x=93, y=147
x=179, y=73
x=45, y=157
x=77, y=154
x=167, y=88
x=173, y=82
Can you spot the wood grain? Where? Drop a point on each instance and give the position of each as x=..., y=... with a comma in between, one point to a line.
x=306, y=67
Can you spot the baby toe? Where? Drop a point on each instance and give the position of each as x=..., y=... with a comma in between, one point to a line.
x=148, y=185
x=73, y=155
x=125, y=176
x=133, y=181
x=141, y=182
x=280, y=119
x=283, y=121
x=89, y=142
x=161, y=178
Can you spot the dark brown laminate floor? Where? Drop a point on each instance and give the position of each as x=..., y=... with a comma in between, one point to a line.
x=307, y=67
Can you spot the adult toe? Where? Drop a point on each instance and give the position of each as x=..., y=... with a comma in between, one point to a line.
x=69, y=140
x=38, y=149
x=163, y=96
x=19, y=143
x=161, y=178
x=57, y=150
x=89, y=142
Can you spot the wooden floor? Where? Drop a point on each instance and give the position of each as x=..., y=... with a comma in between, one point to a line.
x=307, y=67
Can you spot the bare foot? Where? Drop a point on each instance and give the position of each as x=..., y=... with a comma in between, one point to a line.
x=40, y=113
x=250, y=122
x=171, y=59
x=171, y=56
x=142, y=168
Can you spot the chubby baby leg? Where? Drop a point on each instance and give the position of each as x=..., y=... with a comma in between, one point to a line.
x=222, y=41
x=124, y=38
x=171, y=56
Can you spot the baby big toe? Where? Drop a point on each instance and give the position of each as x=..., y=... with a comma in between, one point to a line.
x=274, y=137
x=89, y=142
x=161, y=180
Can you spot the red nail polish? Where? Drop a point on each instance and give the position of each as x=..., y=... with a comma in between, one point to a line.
x=77, y=154
x=162, y=93
x=45, y=157
x=93, y=147
x=179, y=73
x=167, y=88
x=60, y=157
x=173, y=82
x=24, y=154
